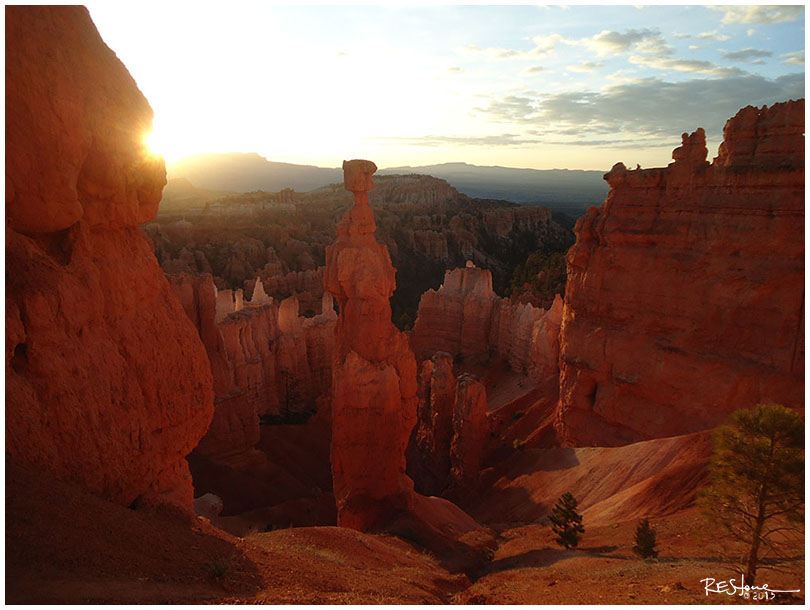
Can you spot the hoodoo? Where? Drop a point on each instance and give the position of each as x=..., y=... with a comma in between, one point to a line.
x=107, y=382
x=685, y=294
x=374, y=375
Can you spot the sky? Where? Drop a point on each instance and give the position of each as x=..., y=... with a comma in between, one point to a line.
x=577, y=87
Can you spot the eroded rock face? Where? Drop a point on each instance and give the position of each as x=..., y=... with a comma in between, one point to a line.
x=107, y=382
x=685, y=289
x=429, y=448
x=451, y=436
x=264, y=357
x=374, y=377
x=466, y=318
x=470, y=430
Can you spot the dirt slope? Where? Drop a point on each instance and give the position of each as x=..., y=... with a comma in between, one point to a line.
x=66, y=546
x=612, y=484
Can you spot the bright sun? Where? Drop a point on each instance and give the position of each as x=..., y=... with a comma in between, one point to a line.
x=162, y=146
x=155, y=144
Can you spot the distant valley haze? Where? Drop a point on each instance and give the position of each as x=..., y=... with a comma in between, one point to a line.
x=569, y=191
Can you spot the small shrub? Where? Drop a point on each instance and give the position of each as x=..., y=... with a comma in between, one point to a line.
x=645, y=540
x=217, y=568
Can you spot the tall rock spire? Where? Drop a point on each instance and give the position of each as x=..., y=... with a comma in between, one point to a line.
x=374, y=377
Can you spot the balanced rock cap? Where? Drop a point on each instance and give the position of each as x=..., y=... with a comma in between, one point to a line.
x=357, y=175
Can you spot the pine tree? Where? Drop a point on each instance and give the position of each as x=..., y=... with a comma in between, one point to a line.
x=756, y=494
x=566, y=522
x=645, y=540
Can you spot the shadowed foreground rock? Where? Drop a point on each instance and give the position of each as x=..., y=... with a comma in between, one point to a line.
x=685, y=294
x=450, y=439
x=107, y=382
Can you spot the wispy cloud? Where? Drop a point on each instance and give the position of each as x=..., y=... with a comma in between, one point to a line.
x=697, y=66
x=713, y=35
x=543, y=46
x=532, y=70
x=796, y=57
x=588, y=66
x=747, y=54
x=611, y=41
x=504, y=139
x=759, y=14
x=650, y=107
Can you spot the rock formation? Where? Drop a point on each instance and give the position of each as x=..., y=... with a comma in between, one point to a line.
x=265, y=359
x=374, y=389
x=107, y=382
x=466, y=318
x=685, y=291
x=470, y=430
x=429, y=448
x=374, y=376
x=449, y=442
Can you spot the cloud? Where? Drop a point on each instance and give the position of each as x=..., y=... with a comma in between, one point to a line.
x=604, y=43
x=532, y=70
x=611, y=41
x=713, y=35
x=750, y=31
x=651, y=108
x=543, y=46
x=588, y=66
x=455, y=69
x=684, y=65
x=796, y=57
x=504, y=139
x=746, y=54
x=510, y=108
x=759, y=14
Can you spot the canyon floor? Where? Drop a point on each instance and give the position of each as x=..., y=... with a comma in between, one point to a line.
x=66, y=546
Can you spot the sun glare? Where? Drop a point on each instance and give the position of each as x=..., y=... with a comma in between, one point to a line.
x=161, y=145
x=155, y=144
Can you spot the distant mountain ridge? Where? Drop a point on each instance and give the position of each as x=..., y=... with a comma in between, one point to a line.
x=244, y=172
x=563, y=190
x=555, y=188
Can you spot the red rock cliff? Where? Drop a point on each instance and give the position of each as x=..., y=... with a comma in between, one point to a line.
x=685, y=290
x=107, y=382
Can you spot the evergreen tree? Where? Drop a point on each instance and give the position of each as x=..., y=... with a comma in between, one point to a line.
x=566, y=522
x=756, y=494
x=645, y=540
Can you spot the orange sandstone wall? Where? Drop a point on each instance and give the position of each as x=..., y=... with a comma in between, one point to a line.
x=685, y=290
x=107, y=382
x=265, y=359
x=464, y=317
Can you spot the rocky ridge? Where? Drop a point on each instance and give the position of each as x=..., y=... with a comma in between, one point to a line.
x=685, y=291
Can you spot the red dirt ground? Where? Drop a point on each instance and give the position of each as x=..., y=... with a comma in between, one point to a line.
x=63, y=545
